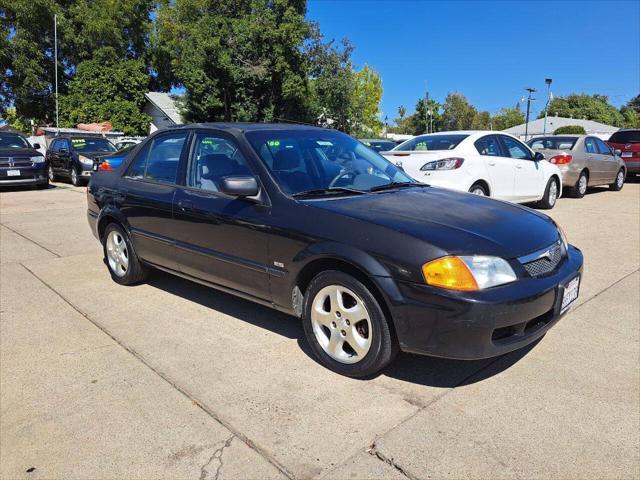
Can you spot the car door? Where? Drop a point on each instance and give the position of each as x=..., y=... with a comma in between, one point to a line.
x=529, y=181
x=64, y=156
x=594, y=163
x=52, y=154
x=499, y=167
x=608, y=162
x=148, y=187
x=221, y=239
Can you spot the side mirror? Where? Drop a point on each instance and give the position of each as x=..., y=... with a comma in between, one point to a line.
x=239, y=186
x=36, y=146
x=539, y=156
x=617, y=151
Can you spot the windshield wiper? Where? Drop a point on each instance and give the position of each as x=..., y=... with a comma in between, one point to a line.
x=327, y=191
x=394, y=185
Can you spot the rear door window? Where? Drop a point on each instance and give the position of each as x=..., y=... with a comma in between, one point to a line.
x=488, y=146
x=590, y=145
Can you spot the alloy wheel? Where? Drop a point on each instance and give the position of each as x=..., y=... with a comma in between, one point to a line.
x=582, y=184
x=341, y=324
x=117, y=254
x=620, y=179
x=477, y=191
x=51, y=174
x=74, y=176
x=553, y=193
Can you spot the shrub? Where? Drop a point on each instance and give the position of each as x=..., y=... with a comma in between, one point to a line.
x=570, y=129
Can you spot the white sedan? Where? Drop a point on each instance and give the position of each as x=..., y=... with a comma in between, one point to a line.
x=482, y=162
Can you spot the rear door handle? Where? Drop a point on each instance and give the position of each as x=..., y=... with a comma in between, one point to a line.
x=518, y=166
x=491, y=163
x=185, y=205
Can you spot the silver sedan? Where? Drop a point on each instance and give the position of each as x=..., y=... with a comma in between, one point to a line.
x=583, y=160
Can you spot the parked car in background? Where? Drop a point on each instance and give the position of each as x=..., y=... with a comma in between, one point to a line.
x=313, y=223
x=20, y=162
x=627, y=141
x=485, y=163
x=113, y=160
x=73, y=157
x=125, y=142
x=583, y=161
x=378, y=145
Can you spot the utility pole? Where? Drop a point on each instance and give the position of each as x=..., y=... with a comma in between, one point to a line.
x=548, y=81
x=426, y=111
x=55, y=56
x=526, y=125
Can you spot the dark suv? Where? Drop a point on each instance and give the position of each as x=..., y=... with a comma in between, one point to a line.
x=73, y=157
x=20, y=163
x=314, y=223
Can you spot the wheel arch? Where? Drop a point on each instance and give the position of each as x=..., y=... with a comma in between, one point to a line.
x=110, y=216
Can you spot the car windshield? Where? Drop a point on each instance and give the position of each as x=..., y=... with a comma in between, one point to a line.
x=552, y=143
x=13, y=141
x=626, y=136
x=306, y=160
x=432, y=142
x=92, y=145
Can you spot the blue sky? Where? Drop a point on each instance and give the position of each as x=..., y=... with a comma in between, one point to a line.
x=490, y=51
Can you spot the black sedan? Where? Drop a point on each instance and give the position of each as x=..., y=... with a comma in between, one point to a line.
x=313, y=223
x=20, y=163
x=74, y=157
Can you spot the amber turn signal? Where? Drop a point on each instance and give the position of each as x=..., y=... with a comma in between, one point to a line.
x=451, y=273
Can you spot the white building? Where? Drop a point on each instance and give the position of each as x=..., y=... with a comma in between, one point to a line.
x=162, y=109
x=536, y=127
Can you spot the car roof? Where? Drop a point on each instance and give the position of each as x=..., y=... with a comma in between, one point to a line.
x=253, y=126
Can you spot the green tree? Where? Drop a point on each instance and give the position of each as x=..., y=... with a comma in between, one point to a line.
x=457, y=112
x=589, y=107
x=570, y=129
x=108, y=89
x=634, y=104
x=402, y=112
x=366, y=97
x=482, y=121
x=507, y=118
x=631, y=113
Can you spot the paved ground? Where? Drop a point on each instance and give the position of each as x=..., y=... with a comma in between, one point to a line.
x=171, y=379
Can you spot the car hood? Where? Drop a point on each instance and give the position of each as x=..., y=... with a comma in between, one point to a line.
x=458, y=223
x=19, y=152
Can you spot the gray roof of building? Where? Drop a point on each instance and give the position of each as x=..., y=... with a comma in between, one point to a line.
x=166, y=103
x=537, y=126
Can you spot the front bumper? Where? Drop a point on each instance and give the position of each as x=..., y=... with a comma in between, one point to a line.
x=28, y=176
x=476, y=325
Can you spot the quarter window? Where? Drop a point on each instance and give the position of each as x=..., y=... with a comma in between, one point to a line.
x=515, y=149
x=214, y=158
x=590, y=145
x=158, y=160
x=488, y=146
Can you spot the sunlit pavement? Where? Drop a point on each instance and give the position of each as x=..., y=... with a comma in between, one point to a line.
x=171, y=379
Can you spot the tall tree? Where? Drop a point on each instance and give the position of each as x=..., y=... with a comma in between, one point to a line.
x=507, y=118
x=402, y=112
x=589, y=107
x=106, y=88
x=481, y=121
x=366, y=95
x=458, y=113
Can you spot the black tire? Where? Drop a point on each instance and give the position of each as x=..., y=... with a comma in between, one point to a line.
x=617, y=185
x=548, y=200
x=477, y=187
x=50, y=173
x=76, y=180
x=136, y=271
x=577, y=191
x=383, y=346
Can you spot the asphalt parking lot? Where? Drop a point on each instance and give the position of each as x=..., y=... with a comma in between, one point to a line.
x=174, y=380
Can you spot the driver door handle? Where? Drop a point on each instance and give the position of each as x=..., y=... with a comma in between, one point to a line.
x=492, y=163
x=518, y=165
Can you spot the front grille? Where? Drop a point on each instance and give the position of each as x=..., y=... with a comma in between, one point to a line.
x=545, y=261
x=15, y=162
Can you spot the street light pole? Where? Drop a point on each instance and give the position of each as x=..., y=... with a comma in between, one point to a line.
x=55, y=56
x=546, y=107
x=526, y=125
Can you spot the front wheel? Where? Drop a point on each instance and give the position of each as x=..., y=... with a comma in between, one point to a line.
x=123, y=263
x=345, y=326
x=51, y=174
x=75, y=177
x=619, y=182
x=550, y=195
x=479, y=189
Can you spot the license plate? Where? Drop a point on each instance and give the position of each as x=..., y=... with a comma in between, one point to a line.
x=570, y=294
x=13, y=173
x=627, y=154
x=95, y=167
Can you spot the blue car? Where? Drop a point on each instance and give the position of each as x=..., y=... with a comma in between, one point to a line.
x=114, y=160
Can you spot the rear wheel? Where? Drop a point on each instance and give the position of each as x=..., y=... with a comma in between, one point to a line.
x=617, y=185
x=123, y=263
x=479, y=189
x=50, y=173
x=345, y=326
x=580, y=188
x=550, y=195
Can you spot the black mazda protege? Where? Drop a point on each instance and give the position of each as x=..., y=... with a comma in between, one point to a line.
x=313, y=223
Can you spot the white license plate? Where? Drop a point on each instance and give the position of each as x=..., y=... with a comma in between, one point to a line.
x=13, y=173
x=626, y=154
x=570, y=294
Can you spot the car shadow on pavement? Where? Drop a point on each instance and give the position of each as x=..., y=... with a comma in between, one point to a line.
x=418, y=369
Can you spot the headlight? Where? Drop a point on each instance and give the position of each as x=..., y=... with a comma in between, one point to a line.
x=444, y=164
x=468, y=273
x=85, y=160
x=38, y=159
